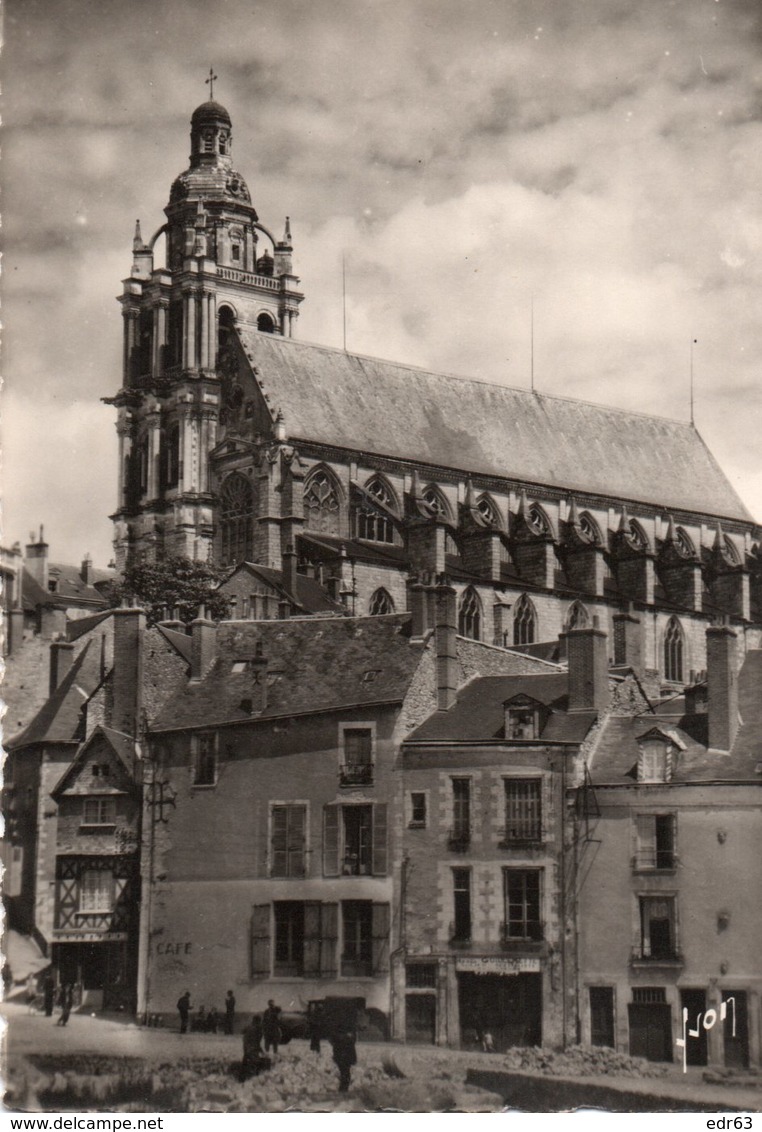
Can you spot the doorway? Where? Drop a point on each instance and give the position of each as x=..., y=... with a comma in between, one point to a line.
x=509, y=1007
x=420, y=1019
x=694, y=1001
x=736, y=1045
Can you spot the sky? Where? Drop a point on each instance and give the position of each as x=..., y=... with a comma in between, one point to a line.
x=588, y=167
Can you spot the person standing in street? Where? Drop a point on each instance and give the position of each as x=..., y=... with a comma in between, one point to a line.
x=271, y=1026
x=345, y=1056
x=229, y=1012
x=48, y=992
x=66, y=1001
x=183, y=1006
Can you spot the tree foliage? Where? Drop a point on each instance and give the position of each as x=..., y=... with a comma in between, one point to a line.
x=175, y=587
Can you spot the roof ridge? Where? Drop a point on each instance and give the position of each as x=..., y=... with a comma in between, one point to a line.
x=530, y=393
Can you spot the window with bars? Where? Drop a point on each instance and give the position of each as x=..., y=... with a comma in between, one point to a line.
x=649, y=996
x=288, y=843
x=99, y=811
x=96, y=890
x=204, y=747
x=656, y=841
x=470, y=615
x=523, y=809
x=522, y=904
x=418, y=975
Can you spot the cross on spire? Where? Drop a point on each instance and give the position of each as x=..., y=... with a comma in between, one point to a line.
x=210, y=82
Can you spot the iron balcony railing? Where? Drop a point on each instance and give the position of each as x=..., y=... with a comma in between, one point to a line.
x=356, y=774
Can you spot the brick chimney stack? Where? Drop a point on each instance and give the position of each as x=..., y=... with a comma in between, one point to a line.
x=289, y=571
x=86, y=570
x=36, y=559
x=127, y=677
x=722, y=686
x=628, y=641
x=587, y=654
x=203, y=644
x=445, y=634
x=258, y=666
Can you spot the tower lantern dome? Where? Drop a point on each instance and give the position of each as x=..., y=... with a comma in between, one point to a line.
x=210, y=175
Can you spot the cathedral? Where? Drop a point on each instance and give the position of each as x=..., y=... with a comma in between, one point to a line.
x=240, y=444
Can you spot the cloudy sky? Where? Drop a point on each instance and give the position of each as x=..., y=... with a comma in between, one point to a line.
x=601, y=156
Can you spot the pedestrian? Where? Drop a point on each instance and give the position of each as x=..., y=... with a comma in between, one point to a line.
x=488, y=1043
x=212, y=1019
x=48, y=994
x=254, y=1060
x=66, y=1001
x=345, y=1055
x=315, y=1031
x=229, y=1012
x=31, y=992
x=183, y=1006
x=271, y=1027
x=7, y=978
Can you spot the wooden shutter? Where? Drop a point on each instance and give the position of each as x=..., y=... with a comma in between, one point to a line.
x=645, y=830
x=297, y=823
x=312, y=926
x=260, y=941
x=331, y=840
x=279, y=844
x=379, y=839
x=380, y=938
x=329, y=932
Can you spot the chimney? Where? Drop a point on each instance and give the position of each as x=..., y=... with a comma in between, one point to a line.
x=127, y=676
x=173, y=620
x=447, y=657
x=289, y=571
x=587, y=654
x=419, y=607
x=203, y=644
x=628, y=641
x=722, y=686
x=36, y=559
x=86, y=570
x=61, y=660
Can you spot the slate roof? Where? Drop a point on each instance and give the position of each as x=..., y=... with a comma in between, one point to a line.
x=70, y=587
x=310, y=595
x=388, y=409
x=616, y=752
x=59, y=718
x=478, y=712
x=313, y=666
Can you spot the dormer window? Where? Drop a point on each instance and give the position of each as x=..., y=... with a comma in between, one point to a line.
x=523, y=718
x=52, y=585
x=657, y=755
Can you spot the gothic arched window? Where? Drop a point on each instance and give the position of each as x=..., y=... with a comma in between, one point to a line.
x=373, y=525
x=437, y=502
x=236, y=520
x=380, y=603
x=470, y=615
x=538, y=520
x=674, y=648
x=577, y=617
x=589, y=528
x=524, y=622
x=322, y=509
x=488, y=511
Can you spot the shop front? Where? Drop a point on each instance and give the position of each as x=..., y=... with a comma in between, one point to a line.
x=501, y=997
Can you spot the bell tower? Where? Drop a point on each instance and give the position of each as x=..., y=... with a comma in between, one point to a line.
x=222, y=268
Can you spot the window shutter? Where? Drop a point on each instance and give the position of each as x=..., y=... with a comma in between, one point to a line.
x=296, y=841
x=312, y=938
x=380, y=938
x=279, y=847
x=260, y=941
x=329, y=931
x=331, y=840
x=379, y=839
x=645, y=827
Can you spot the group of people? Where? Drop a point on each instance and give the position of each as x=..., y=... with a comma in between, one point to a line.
x=267, y=1028
x=206, y=1021
x=64, y=998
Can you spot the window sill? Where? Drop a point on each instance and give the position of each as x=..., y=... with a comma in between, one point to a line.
x=416, y=825
x=203, y=785
x=97, y=827
x=653, y=870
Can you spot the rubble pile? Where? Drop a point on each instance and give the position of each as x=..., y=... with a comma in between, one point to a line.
x=578, y=1061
